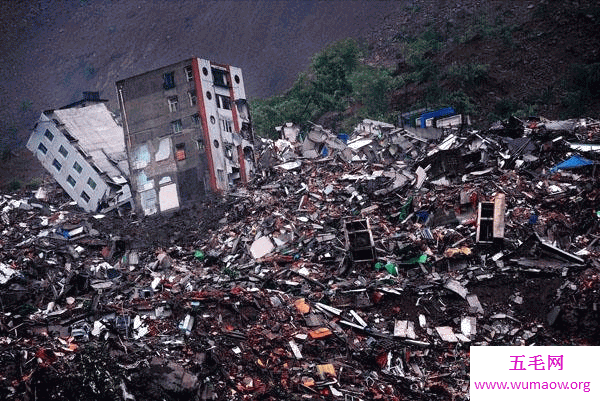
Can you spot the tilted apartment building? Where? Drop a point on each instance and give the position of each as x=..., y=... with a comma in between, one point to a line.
x=82, y=146
x=187, y=130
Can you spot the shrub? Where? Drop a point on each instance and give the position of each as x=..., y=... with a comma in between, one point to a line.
x=470, y=74
x=371, y=87
x=14, y=185
x=505, y=108
x=461, y=102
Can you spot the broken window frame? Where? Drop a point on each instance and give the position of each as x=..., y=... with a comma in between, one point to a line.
x=228, y=150
x=173, y=103
x=64, y=152
x=193, y=97
x=220, y=175
x=223, y=102
x=180, y=154
x=42, y=148
x=85, y=196
x=71, y=181
x=57, y=165
x=169, y=80
x=220, y=78
x=189, y=73
x=226, y=125
x=176, y=127
x=196, y=119
x=200, y=145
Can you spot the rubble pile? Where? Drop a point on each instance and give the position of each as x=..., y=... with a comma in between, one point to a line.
x=357, y=267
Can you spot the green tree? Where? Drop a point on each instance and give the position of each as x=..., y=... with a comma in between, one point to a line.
x=325, y=87
x=371, y=88
x=332, y=68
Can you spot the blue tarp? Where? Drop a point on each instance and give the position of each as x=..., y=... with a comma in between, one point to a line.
x=572, y=162
x=432, y=114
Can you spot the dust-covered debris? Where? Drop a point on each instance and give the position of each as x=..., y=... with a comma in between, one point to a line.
x=365, y=272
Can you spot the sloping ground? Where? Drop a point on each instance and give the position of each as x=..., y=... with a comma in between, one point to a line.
x=527, y=47
x=52, y=51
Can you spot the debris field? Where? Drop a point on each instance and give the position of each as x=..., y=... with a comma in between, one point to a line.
x=355, y=267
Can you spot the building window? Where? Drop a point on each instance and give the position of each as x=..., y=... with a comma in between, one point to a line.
x=172, y=104
x=228, y=151
x=193, y=98
x=71, y=181
x=49, y=135
x=204, y=71
x=57, y=165
x=85, y=196
x=176, y=126
x=223, y=102
x=91, y=183
x=220, y=78
x=180, y=151
x=216, y=143
x=189, y=73
x=196, y=119
x=77, y=167
x=237, y=79
x=63, y=151
x=226, y=125
x=42, y=148
x=200, y=144
x=212, y=119
x=169, y=80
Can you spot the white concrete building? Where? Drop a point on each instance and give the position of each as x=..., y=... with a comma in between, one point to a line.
x=82, y=146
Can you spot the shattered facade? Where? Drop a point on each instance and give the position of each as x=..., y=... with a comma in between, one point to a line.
x=188, y=132
x=82, y=146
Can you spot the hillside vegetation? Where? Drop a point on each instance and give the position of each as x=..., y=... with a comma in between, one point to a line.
x=499, y=60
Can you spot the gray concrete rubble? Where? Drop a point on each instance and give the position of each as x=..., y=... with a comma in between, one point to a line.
x=354, y=267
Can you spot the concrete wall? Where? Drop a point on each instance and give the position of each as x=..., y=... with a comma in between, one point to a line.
x=67, y=163
x=217, y=156
x=224, y=142
x=160, y=155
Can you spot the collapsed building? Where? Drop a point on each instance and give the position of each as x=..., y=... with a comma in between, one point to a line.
x=186, y=132
x=82, y=146
x=364, y=273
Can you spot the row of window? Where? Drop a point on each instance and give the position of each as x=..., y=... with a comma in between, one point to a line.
x=169, y=77
x=76, y=166
x=177, y=126
x=220, y=77
x=180, y=154
x=223, y=102
x=91, y=183
x=173, y=101
x=50, y=137
x=42, y=148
